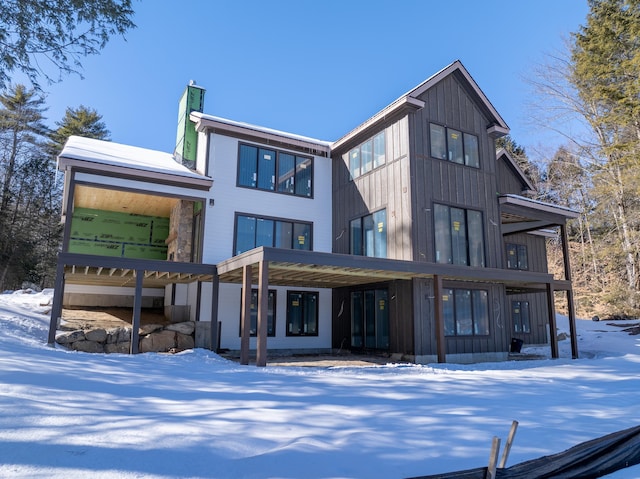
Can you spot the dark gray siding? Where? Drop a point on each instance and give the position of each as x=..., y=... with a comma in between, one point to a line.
x=508, y=181
x=400, y=295
x=536, y=250
x=385, y=187
x=499, y=337
x=440, y=181
x=539, y=315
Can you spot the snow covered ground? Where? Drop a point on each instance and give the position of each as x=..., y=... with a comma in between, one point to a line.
x=195, y=415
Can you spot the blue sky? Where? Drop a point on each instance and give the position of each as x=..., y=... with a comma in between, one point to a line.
x=315, y=68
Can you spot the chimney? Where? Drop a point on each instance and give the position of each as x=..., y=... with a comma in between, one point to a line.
x=187, y=138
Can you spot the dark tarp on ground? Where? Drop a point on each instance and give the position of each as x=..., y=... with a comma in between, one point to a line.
x=591, y=459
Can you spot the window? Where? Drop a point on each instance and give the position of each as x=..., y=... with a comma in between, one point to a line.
x=466, y=312
x=271, y=313
x=517, y=256
x=370, y=319
x=302, y=313
x=272, y=170
x=367, y=156
x=520, y=315
x=369, y=235
x=459, y=236
x=253, y=231
x=453, y=145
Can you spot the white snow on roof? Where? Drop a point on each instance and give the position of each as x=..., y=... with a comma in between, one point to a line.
x=263, y=129
x=117, y=154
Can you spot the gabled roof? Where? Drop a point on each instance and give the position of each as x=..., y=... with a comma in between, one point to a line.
x=512, y=164
x=497, y=127
x=106, y=156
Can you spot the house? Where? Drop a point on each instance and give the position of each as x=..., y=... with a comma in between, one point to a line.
x=410, y=235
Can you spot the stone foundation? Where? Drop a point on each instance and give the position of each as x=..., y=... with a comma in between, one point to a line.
x=153, y=338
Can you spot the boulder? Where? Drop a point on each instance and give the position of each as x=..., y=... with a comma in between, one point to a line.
x=70, y=337
x=122, y=348
x=118, y=335
x=187, y=327
x=184, y=341
x=161, y=341
x=149, y=328
x=87, y=346
x=98, y=335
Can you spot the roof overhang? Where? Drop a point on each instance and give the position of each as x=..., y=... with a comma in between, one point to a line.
x=520, y=215
x=216, y=124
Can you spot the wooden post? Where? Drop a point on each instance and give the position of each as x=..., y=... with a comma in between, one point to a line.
x=263, y=313
x=570, y=304
x=507, y=446
x=493, y=458
x=137, y=310
x=215, y=295
x=245, y=319
x=56, y=308
x=553, y=336
x=439, y=319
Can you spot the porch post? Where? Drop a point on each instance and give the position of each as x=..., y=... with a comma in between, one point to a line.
x=553, y=337
x=137, y=309
x=570, y=303
x=263, y=307
x=215, y=294
x=58, y=299
x=245, y=319
x=439, y=318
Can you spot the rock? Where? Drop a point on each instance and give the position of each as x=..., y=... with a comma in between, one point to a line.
x=87, y=346
x=161, y=341
x=122, y=348
x=118, y=335
x=98, y=335
x=187, y=327
x=184, y=341
x=70, y=337
x=149, y=328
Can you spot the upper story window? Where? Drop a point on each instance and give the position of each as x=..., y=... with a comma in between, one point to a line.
x=367, y=156
x=273, y=170
x=459, y=236
x=466, y=312
x=517, y=256
x=369, y=235
x=254, y=231
x=454, y=145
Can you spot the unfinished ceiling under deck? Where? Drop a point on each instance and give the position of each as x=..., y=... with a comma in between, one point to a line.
x=123, y=201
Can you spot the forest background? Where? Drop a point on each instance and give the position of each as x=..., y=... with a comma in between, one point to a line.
x=593, y=83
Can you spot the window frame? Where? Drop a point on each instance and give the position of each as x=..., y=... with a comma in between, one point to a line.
x=453, y=240
x=466, y=158
x=379, y=235
x=375, y=148
x=517, y=307
x=453, y=324
x=302, y=170
x=272, y=294
x=277, y=222
x=521, y=251
x=305, y=317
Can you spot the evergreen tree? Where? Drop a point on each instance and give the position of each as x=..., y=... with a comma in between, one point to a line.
x=22, y=136
x=81, y=121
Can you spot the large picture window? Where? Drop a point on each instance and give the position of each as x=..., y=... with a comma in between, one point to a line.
x=459, y=236
x=520, y=316
x=454, y=145
x=271, y=313
x=466, y=312
x=517, y=256
x=302, y=313
x=367, y=156
x=254, y=231
x=273, y=170
x=368, y=235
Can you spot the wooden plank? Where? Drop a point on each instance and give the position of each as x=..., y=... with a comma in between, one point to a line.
x=493, y=458
x=508, y=444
